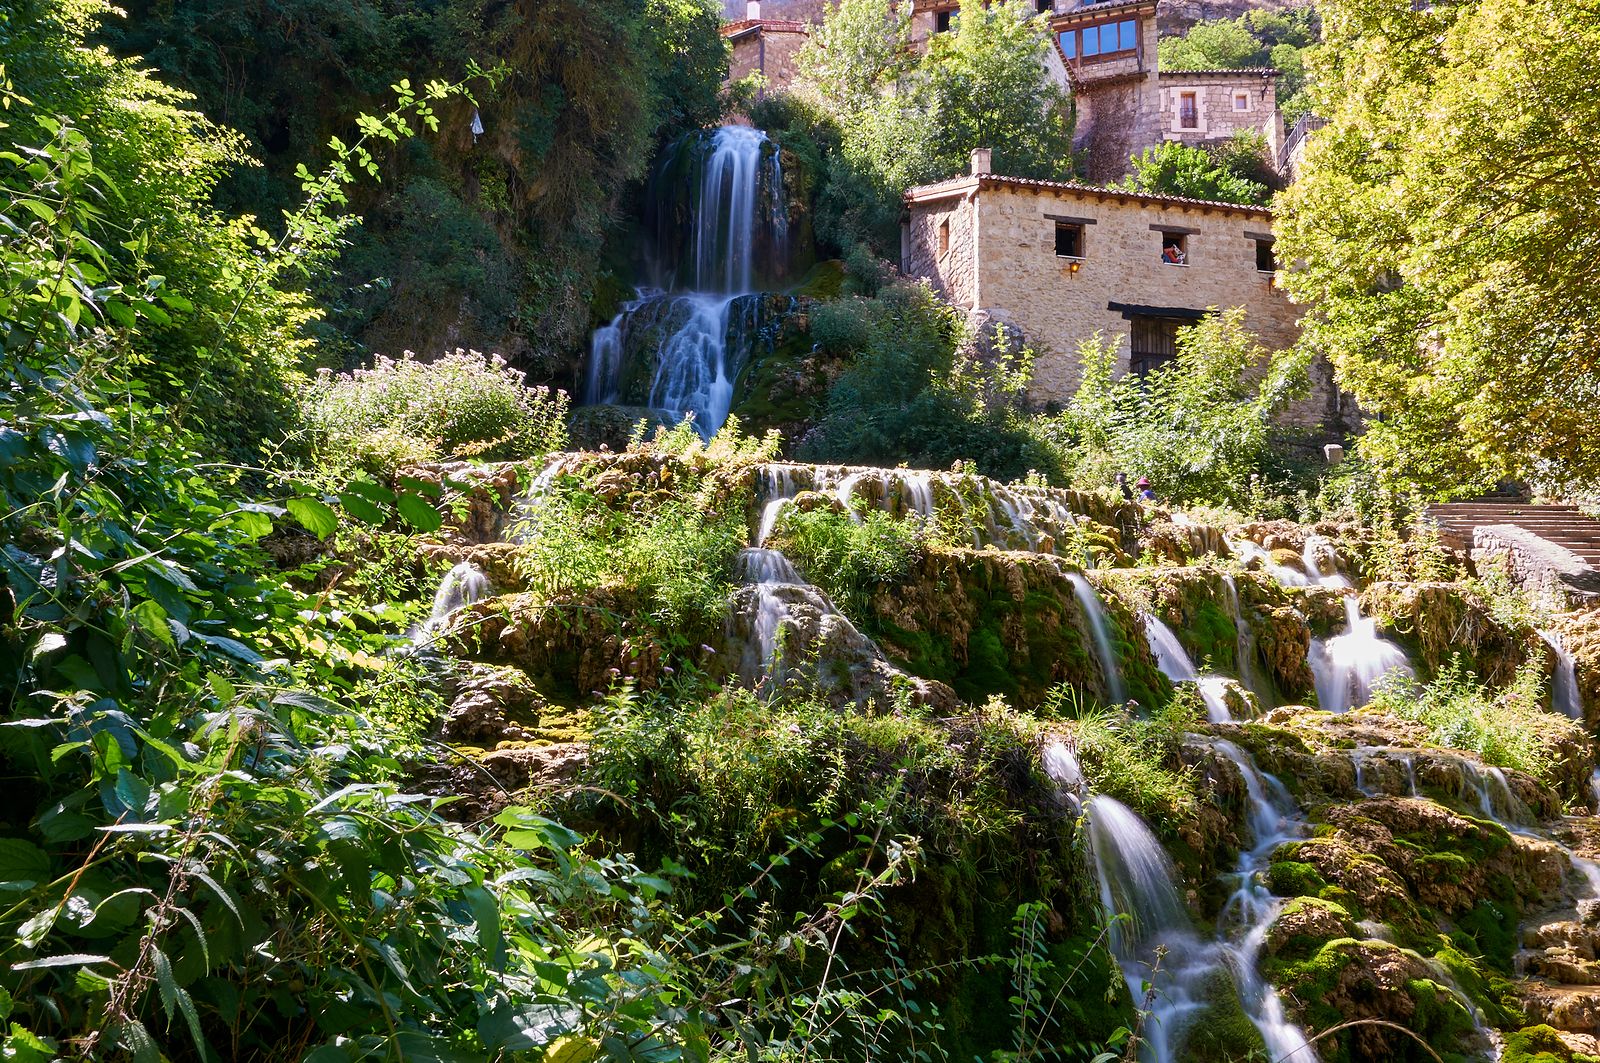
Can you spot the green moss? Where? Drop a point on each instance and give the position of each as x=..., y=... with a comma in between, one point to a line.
x=824, y=280
x=1290, y=878
x=1220, y=1032
x=1490, y=930
x=1535, y=1044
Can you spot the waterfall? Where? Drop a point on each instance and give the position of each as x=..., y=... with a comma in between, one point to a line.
x=461, y=586
x=1062, y=768
x=778, y=489
x=1348, y=666
x=1244, y=643
x=1252, y=907
x=700, y=334
x=1320, y=558
x=1137, y=882
x=1094, y=612
x=1247, y=551
x=1175, y=664
x=768, y=570
x=1564, y=696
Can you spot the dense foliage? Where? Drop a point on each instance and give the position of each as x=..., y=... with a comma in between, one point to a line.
x=462, y=405
x=1201, y=427
x=500, y=236
x=1449, y=265
x=1235, y=171
x=920, y=390
x=906, y=116
x=1280, y=39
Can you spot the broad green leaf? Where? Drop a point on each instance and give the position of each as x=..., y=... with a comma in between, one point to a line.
x=315, y=516
x=419, y=513
x=361, y=508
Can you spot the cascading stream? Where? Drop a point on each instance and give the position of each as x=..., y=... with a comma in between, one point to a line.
x=1348, y=666
x=1094, y=612
x=1174, y=662
x=703, y=332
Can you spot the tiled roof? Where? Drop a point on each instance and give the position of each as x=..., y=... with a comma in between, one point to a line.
x=959, y=185
x=765, y=25
x=1269, y=71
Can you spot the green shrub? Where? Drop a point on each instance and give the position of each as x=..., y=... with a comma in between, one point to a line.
x=1199, y=427
x=1134, y=758
x=1508, y=728
x=463, y=405
x=923, y=392
x=848, y=556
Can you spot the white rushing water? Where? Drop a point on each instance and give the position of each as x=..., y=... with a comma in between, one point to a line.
x=702, y=334
x=1174, y=662
x=1244, y=650
x=464, y=584
x=1062, y=767
x=1094, y=613
x=1138, y=884
x=1564, y=696
x=1348, y=666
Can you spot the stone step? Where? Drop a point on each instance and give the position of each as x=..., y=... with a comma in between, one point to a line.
x=1565, y=1007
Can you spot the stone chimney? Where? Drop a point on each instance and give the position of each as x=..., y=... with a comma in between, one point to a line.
x=752, y=9
x=982, y=161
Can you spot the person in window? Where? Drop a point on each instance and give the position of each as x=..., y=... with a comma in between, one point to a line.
x=1146, y=493
x=1122, y=485
x=1172, y=254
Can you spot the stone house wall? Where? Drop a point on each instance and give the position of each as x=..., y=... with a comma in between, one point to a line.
x=1018, y=278
x=1218, y=95
x=953, y=274
x=767, y=47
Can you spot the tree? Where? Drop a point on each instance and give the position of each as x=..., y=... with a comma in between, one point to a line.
x=905, y=120
x=1235, y=172
x=1451, y=267
x=1278, y=39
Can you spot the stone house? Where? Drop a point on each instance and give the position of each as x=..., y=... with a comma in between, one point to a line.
x=1060, y=261
x=767, y=41
x=1126, y=103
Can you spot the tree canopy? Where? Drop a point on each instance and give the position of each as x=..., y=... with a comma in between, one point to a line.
x=905, y=118
x=1447, y=235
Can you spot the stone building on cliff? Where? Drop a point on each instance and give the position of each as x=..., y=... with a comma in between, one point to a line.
x=1060, y=261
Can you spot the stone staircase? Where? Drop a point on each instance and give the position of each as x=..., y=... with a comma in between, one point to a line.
x=1563, y=526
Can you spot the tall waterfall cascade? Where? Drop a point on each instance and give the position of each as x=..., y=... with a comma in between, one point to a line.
x=698, y=318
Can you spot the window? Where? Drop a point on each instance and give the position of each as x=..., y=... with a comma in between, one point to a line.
x=941, y=21
x=1241, y=101
x=1188, y=111
x=1266, y=261
x=944, y=238
x=1044, y=6
x=1108, y=38
x=1153, y=342
x=1069, y=240
x=1175, y=249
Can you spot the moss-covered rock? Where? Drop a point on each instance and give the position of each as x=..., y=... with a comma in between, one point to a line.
x=1437, y=621
x=988, y=622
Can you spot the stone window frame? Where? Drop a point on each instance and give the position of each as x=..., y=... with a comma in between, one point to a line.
x=944, y=237
x=1264, y=241
x=1060, y=221
x=1175, y=236
x=1178, y=96
x=1249, y=102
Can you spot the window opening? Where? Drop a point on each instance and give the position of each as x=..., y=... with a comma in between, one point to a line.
x=1069, y=240
x=1188, y=111
x=1175, y=249
x=941, y=21
x=944, y=238
x=1152, y=342
x=1241, y=101
x=1266, y=261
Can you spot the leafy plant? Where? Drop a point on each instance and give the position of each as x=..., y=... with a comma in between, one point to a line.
x=1508, y=728
x=848, y=555
x=462, y=405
